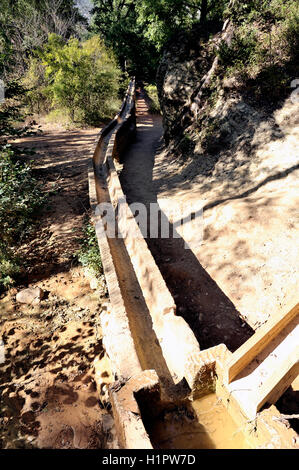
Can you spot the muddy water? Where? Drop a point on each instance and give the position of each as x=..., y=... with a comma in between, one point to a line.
x=205, y=425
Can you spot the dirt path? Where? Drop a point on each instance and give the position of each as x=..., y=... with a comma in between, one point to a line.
x=212, y=316
x=53, y=381
x=246, y=266
x=250, y=198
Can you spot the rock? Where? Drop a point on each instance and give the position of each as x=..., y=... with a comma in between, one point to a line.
x=94, y=284
x=32, y=295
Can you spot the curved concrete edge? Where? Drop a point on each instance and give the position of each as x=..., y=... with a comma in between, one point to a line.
x=129, y=426
x=176, y=338
x=117, y=338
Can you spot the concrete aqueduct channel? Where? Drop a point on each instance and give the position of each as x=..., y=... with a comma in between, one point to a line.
x=168, y=393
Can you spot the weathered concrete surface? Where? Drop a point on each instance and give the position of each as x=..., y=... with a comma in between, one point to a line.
x=268, y=430
x=129, y=425
x=117, y=337
x=176, y=339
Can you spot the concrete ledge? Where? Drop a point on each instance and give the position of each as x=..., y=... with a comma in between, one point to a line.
x=128, y=421
x=176, y=339
x=117, y=338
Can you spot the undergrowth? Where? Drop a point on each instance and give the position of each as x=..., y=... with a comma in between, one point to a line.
x=154, y=105
x=89, y=254
x=263, y=54
x=20, y=198
x=21, y=195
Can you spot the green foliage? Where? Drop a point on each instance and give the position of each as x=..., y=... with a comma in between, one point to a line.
x=264, y=50
x=89, y=253
x=242, y=49
x=25, y=25
x=11, y=112
x=162, y=19
x=9, y=266
x=116, y=21
x=20, y=196
x=38, y=96
x=152, y=93
x=81, y=78
x=137, y=30
x=290, y=27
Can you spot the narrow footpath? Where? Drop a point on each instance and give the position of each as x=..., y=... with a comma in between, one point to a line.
x=200, y=301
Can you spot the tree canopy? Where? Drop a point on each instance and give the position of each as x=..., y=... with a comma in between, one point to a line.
x=26, y=24
x=138, y=29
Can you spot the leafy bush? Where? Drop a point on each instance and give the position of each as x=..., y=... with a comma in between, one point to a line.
x=38, y=97
x=89, y=254
x=152, y=93
x=11, y=112
x=243, y=47
x=81, y=78
x=20, y=196
x=264, y=51
x=9, y=266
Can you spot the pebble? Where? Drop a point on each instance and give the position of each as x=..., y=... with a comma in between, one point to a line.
x=94, y=284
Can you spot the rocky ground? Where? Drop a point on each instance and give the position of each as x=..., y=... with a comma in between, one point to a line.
x=53, y=370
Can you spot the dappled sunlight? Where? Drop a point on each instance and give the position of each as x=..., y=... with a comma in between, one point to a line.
x=250, y=245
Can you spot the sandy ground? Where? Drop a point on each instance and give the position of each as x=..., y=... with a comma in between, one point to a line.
x=209, y=312
x=241, y=265
x=54, y=379
x=247, y=257
x=53, y=382
x=250, y=200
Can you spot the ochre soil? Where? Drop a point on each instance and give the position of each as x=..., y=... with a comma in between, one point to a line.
x=53, y=382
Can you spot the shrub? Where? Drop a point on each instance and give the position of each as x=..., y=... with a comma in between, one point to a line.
x=38, y=96
x=81, y=78
x=89, y=254
x=20, y=196
x=264, y=51
x=243, y=48
x=9, y=266
x=152, y=93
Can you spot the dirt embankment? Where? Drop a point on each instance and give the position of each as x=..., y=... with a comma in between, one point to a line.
x=53, y=382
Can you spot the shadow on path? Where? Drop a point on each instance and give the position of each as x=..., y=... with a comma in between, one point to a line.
x=212, y=316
